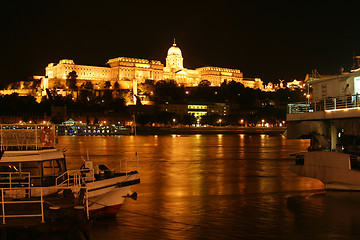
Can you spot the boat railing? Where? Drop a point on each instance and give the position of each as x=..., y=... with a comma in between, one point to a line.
x=11, y=181
x=128, y=165
x=5, y=201
x=27, y=136
x=70, y=178
x=331, y=103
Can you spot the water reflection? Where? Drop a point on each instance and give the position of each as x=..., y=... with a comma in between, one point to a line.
x=218, y=187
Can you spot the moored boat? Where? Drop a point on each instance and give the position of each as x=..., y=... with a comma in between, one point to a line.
x=332, y=125
x=337, y=171
x=32, y=169
x=107, y=190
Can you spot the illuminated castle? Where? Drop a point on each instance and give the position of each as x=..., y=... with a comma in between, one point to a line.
x=128, y=72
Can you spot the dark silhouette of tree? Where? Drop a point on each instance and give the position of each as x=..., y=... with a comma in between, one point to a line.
x=147, y=87
x=15, y=85
x=204, y=92
x=145, y=119
x=27, y=85
x=107, y=85
x=166, y=117
x=14, y=103
x=57, y=84
x=188, y=119
x=88, y=85
x=85, y=96
x=107, y=97
x=35, y=84
x=116, y=85
x=168, y=91
x=71, y=80
x=210, y=119
x=96, y=120
x=117, y=105
x=204, y=83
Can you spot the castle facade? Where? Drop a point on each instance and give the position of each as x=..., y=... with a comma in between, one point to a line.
x=128, y=72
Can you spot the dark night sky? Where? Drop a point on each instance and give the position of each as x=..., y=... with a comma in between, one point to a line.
x=270, y=39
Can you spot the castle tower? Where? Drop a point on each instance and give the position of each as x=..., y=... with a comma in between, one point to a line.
x=174, y=58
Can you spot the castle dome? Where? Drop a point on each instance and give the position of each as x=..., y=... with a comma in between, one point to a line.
x=174, y=51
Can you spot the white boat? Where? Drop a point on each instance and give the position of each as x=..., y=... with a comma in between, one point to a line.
x=107, y=189
x=31, y=167
x=332, y=125
x=337, y=171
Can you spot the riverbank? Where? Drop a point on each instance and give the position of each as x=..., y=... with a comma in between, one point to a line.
x=209, y=130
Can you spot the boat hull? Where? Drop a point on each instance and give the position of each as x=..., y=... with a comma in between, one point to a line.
x=333, y=169
x=107, y=196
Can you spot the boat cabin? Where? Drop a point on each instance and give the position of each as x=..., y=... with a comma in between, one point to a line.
x=40, y=167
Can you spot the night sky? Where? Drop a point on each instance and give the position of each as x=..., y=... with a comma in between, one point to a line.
x=272, y=39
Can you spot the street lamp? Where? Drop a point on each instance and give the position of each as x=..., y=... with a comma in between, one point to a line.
x=220, y=122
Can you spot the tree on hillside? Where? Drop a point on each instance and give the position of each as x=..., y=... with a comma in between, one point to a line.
x=107, y=85
x=188, y=119
x=204, y=83
x=35, y=84
x=88, y=85
x=57, y=84
x=169, y=91
x=210, y=119
x=116, y=85
x=204, y=92
x=15, y=85
x=71, y=80
x=147, y=87
x=166, y=117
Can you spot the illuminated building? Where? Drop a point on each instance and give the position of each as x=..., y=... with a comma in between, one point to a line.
x=294, y=84
x=127, y=71
x=196, y=109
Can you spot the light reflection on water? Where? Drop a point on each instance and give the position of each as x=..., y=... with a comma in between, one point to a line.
x=218, y=187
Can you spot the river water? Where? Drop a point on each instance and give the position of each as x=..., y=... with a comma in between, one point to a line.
x=217, y=187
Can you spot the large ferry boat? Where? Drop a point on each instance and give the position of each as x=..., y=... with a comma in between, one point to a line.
x=33, y=170
x=331, y=120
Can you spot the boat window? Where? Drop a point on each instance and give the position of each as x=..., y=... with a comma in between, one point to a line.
x=7, y=167
x=61, y=164
x=48, y=168
x=32, y=167
x=53, y=167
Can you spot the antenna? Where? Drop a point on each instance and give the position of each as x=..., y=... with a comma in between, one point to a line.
x=136, y=147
